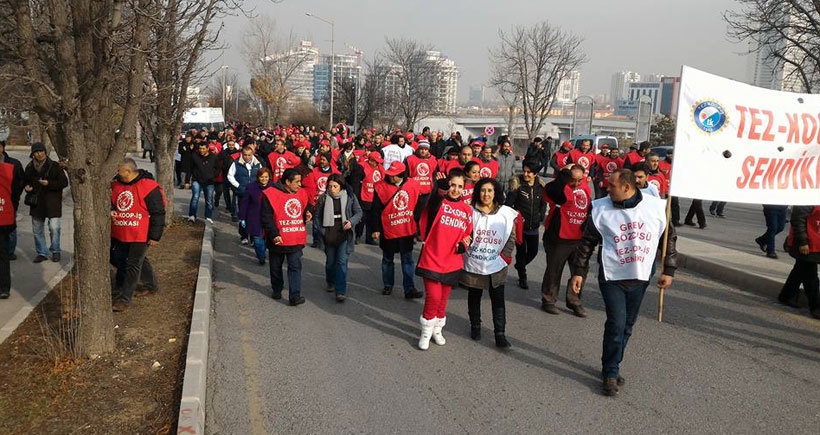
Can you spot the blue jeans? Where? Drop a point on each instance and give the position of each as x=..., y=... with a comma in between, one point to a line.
x=196, y=189
x=336, y=266
x=234, y=207
x=775, y=223
x=622, y=301
x=407, y=269
x=38, y=228
x=259, y=246
x=277, y=278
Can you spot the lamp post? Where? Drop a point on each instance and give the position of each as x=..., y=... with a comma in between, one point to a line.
x=223, y=68
x=332, y=60
x=356, y=102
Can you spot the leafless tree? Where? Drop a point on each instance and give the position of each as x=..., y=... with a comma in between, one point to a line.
x=785, y=33
x=73, y=57
x=273, y=62
x=411, y=77
x=530, y=63
x=371, y=96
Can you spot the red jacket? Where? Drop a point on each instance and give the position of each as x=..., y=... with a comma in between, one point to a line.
x=453, y=222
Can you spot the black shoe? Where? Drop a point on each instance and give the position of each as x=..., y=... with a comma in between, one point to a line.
x=610, y=387
x=722, y=216
x=677, y=224
x=788, y=302
x=760, y=243
x=814, y=313
x=413, y=294
x=712, y=212
x=55, y=257
x=702, y=226
x=620, y=380
x=40, y=258
x=12, y=257
x=523, y=284
x=277, y=295
x=330, y=288
x=340, y=297
x=691, y=224
x=387, y=290
x=578, y=310
x=771, y=254
x=501, y=341
x=262, y=261
x=475, y=332
x=549, y=308
x=298, y=300
x=4, y=294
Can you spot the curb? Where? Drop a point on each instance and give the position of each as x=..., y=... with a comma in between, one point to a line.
x=15, y=321
x=746, y=280
x=192, y=405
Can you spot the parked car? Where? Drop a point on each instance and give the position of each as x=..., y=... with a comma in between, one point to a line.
x=662, y=150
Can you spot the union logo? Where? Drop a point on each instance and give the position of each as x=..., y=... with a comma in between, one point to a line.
x=709, y=116
x=611, y=167
x=401, y=200
x=423, y=170
x=485, y=172
x=580, y=197
x=321, y=184
x=125, y=200
x=281, y=162
x=377, y=176
x=583, y=161
x=293, y=208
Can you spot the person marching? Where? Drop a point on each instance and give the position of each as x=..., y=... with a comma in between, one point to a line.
x=487, y=164
x=421, y=167
x=569, y=199
x=803, y=244
x=630, y=225
x=526, y=198
x=11, y=187
x=250, y=213
x=394, y=227
x=337, y=213
x=489, y=255
x=445, y=229
x=373, y=173
x=137, y=222
x=284, y=213
x=471, y=174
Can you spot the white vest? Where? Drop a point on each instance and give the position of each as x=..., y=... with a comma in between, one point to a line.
x=490, y=234
x=650, y=189
x=395, y=153
x=630, y=237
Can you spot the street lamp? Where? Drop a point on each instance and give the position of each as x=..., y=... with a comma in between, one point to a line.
x=223, y=68
x=332, y=59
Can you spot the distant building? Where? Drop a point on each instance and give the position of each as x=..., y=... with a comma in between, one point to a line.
x=476, y=96
x=620, y=85
x=652, y=78
x=346, y=66
x=651, y=89
x=444, y=88
x=569, y=88
x=297, y=65
x=765, y=71
x=670, y=90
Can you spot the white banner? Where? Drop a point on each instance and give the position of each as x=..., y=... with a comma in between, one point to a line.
x=739, y=143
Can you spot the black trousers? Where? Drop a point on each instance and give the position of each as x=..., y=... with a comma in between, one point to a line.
x=525, y=253
x=675, y=206
x=497, y=303
x=804, y=272
x=133, y=267
x=696, y=209
x=557, y=256
x=5, y=267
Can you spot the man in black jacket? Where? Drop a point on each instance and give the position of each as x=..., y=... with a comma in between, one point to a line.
x=527, y=199
x=630, y=227
x=46, y=180
x=204, y=169
x=136, y=224
x=16, y=191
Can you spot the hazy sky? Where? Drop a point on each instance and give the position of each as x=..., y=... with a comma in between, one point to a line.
x=646, y=36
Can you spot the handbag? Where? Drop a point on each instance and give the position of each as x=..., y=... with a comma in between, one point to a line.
x=31, y=199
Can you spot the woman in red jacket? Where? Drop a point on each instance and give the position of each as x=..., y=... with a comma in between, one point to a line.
x=446, y=226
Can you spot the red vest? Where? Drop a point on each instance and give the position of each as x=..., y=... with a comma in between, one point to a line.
x=574, y=211
x=372, y=176
x=666, y=168
x=444, y=165
x=585, y=159
x=131, y=218
x=289, y=214
x=606, y=166
x=467, y=194
x=316, y=183
x=634, y=158
x=812, y=230
x=6, y=206
x=421, y=170
x=660, y=182
x=399, y=203
x=280, y=162
x=488, y=169
x=562, y=159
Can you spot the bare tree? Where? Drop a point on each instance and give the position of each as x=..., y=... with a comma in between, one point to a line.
x=274, y=62
x=73, y=57
x=371, y=96
x=530, y=63
x=785, y=33
x=412, y=76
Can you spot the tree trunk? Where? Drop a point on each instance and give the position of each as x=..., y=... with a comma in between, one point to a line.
x=164, y=158
x=92, y=229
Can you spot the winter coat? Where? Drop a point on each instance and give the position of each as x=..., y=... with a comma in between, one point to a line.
x=250, y=208
x=204, y=170
x=50, y=198
x=18, y=181
x=506, y=167
x=800, y=214
x=185, y=151
x=353, y=212
x=528, y=200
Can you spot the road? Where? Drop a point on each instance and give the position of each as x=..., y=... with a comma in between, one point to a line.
x=724, y=361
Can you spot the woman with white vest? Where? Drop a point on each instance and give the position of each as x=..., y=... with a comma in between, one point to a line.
x=495, y=228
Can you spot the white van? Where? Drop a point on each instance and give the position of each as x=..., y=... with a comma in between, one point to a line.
x=203, y=118
x=596, y=140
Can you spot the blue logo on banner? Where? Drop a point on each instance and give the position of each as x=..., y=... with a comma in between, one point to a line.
x=709, y=116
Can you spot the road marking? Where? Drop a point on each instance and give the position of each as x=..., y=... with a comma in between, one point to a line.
x=251, y=359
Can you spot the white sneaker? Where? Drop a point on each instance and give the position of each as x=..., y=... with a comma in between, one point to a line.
x=210, y=221
x=191, y=219
x=243, y=241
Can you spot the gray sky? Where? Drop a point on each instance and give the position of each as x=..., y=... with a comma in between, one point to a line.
x=646, y=36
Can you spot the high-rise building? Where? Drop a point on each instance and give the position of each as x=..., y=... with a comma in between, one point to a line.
x=476, y=97
x=296, y=66
x=346, y=67
x=670, y=91
x=620, y=85
x=765, y=71
x=569, y=88
x=443, y=86
x=651, y=89
x=652, y=78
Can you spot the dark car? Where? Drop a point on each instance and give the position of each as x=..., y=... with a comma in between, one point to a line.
x=662, y=150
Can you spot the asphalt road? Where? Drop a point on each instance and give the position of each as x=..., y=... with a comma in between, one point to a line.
x=723, y=362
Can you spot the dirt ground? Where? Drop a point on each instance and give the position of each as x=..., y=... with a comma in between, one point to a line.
x=120, y=393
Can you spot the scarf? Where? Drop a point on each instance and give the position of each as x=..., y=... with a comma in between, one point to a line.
x=328, y=217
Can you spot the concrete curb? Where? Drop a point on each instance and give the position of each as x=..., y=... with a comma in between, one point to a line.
x=7, y=329
x=744, y=279
x=192, y=405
